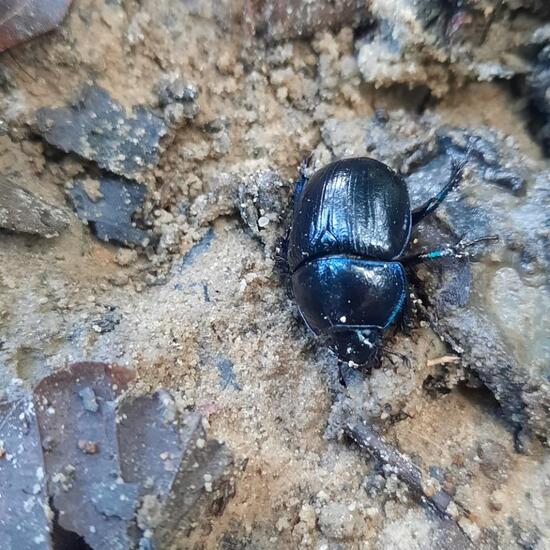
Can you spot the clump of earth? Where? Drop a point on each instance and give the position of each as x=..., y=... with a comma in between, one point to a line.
x=154, y=146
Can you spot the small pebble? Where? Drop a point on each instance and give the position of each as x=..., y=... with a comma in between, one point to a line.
x=87, y=447
x=336, y=521
x=125, y=257
x=88, y=397
x=496, y=501
x=263, y=221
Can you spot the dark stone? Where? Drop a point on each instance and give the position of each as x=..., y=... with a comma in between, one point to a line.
x=24, y=20
x=190, y=476
x=110, y=216
x=199, y=248
x=107, y=322
x=99, y=129
x=538, y=84
x=64, y=421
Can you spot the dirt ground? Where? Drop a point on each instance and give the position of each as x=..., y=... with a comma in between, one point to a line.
x=203, y=311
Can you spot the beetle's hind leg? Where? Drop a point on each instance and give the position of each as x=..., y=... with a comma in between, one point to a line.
x=459, y=250
x=387, y=351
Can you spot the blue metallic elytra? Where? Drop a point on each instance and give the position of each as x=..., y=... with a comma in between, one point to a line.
x=351, y=225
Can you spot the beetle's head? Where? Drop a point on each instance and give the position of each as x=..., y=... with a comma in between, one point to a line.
x=356, y=344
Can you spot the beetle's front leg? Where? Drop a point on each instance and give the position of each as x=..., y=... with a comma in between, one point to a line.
x=459, y=250
x=302, y=177
x=405, y=322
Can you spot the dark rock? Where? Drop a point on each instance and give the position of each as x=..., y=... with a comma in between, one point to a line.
x=191, y=476
x=99, y=129
x=199, y=248
x=110, y=211
x=435, y=43
x=178, y=99
x=95, y=461
x=23, y=212
x=538, y=85
x=107, y=322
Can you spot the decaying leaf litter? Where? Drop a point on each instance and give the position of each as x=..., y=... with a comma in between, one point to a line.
x=84, y=464
x=203, y=311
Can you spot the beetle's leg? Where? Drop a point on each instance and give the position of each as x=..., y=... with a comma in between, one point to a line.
x=429, y=206
x=403, y=358
x=302, y=177
x=405, y=321
x=281, y=252
x=341, y=377
x=456, y=251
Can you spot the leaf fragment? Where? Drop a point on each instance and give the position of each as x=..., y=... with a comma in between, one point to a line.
x=22, y=20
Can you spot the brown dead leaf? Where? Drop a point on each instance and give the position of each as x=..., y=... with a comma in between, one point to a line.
x=82, y=461
x=23, y=497
x=76, y=410
x=22, y=20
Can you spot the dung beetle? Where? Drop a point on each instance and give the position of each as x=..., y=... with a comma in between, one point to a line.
x=351, y=226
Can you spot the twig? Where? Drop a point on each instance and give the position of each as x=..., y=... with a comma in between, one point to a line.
x=368, y=439
x=443, y=360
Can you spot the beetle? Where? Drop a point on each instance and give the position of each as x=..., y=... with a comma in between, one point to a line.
x=345, y=250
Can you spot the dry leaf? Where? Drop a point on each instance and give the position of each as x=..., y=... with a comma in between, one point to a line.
x=23, y=497
x=116, y=475
x=23, y=212
x=76, y=412
x=21, y=20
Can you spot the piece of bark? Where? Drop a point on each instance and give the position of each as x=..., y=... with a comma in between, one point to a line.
x=396, y=463
x=286, y=19
x=23, y=212
x=23, y=496
x=81, y=453
x=22, y=20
